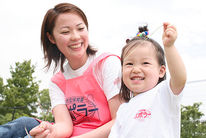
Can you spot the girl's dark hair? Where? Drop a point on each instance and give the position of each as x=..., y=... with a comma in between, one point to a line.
x=51, y=51
x=125, y=93
x=143, y=28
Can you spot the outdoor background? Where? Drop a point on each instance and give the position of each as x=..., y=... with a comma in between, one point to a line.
x=111, y=22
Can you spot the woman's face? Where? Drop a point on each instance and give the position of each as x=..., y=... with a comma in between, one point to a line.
x=70, y=34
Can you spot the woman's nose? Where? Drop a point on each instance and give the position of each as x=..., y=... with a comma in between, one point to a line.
x=75, y=35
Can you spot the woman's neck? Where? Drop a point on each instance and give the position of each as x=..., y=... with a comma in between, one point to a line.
x=78, y=63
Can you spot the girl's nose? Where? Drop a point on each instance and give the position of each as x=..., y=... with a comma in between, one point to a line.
x=136, y=69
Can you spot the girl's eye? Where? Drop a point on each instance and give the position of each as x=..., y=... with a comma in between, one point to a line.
x=146, y=63
x=129, y=64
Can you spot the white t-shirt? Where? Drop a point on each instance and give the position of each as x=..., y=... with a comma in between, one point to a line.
x=111, y=71
x=152, y=114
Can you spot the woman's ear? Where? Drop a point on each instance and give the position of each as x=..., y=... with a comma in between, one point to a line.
x=51, y=38
x=162, y=71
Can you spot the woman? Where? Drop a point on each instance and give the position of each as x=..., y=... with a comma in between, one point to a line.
x=84, y=94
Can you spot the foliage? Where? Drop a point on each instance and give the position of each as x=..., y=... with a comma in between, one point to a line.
x=45, y=105
x=191, y=124
x=19, y=96
x=1, y=88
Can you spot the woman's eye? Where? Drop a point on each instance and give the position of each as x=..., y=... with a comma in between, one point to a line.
x=65, y=32
x=82, y=28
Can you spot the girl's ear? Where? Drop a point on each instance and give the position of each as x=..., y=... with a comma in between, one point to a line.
x=51, y=38
x=162, y=71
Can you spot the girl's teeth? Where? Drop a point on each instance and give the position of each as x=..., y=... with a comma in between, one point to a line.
x=137, y=78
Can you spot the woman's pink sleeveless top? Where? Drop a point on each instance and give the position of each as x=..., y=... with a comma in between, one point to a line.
x=85, y=99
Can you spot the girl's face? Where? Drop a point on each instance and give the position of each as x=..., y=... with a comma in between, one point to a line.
x=70, y=34
x=141, y=70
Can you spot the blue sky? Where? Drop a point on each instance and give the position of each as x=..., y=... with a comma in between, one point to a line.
x=111, y=22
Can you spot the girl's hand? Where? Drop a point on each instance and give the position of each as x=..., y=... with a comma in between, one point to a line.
x=169, y=35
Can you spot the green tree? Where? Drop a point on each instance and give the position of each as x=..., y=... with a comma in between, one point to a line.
x=19, y=96
x=45, y=105
x=1, y=88
x=191, y=124
x=1, y=97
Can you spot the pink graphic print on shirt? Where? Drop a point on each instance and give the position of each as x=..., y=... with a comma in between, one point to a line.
x=142, y=114
x=82, y=108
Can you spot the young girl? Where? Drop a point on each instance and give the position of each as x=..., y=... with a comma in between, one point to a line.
x=152, y=108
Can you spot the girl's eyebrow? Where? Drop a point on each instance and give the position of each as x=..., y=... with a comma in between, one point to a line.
x=126, y=60
x=145, y=58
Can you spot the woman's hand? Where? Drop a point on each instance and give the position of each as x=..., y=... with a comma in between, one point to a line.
x=44, y=130
x=62, y=127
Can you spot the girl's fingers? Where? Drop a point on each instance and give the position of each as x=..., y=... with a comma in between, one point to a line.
x=170, y=27
x=165, y=25
x=169, y=32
